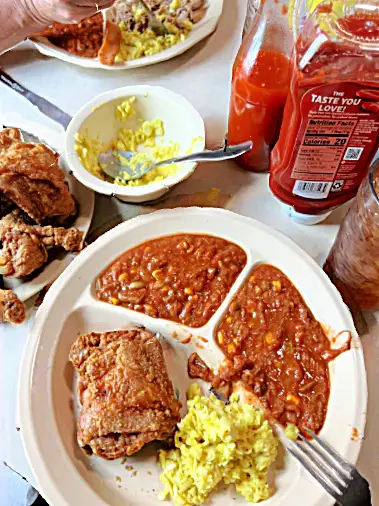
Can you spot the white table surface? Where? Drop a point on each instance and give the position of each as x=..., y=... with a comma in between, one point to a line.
x=202, y=75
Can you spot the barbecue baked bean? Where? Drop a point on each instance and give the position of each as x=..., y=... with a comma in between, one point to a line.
x=273, y=343
x=182, y=278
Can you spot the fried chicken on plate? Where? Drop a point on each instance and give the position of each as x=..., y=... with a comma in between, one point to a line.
x=25, y=245
x=127, y=397
x=12, y=310
x=31, y=178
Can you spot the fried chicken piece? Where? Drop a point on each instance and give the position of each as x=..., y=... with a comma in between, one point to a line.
x=6, y=205
x=21, y=255
x=127, y=397
x=24, y=245
x=30, y=177
x=11, y=308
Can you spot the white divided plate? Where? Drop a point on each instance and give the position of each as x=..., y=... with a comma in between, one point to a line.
x=201, y=30
x=48, y=405
x=26, y=288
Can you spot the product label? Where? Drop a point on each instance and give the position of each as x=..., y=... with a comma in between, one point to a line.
x=337, y=138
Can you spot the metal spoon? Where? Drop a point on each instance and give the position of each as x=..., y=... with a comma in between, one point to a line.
x=157, y=26
x=112, y=166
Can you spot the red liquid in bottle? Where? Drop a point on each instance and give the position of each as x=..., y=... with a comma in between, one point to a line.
x=260, y=85
x=330, y=127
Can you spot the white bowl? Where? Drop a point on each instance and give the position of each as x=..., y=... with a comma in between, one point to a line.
x=182, y=124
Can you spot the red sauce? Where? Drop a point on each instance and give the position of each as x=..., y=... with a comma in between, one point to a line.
x=259, y=90
x=182, y=278
x=330, y=124
x=279, y=351
x=82, y=39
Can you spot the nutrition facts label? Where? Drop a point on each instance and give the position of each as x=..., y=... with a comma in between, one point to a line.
x=322, y=147
x=336, y=139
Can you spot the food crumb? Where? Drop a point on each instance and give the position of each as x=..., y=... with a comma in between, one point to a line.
x=124, y=459
x=18, y=429
x=355, y=434
x=129, y=468
x=118, y=478
x=118, y=486
x=134, y=473
x=149, y=472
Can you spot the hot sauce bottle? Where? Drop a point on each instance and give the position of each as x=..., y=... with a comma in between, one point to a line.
x=330, y=129
x=260, y=82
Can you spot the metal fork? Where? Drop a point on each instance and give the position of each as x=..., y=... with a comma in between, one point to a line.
x=157, y=26
x=339, y=478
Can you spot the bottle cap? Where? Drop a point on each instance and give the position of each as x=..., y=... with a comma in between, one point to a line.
x=305, y=219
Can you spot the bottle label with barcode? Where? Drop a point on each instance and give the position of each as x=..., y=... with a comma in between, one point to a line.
x=336, y=140
x=312, y=189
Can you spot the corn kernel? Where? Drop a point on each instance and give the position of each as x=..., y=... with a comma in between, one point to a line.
x=166, y=288
x=157, y=274
x=293, y=398
x=252, y=279
x=231, y=347
x=220, y=337
x=183, y=245
x=114, y=301
x=258, y=290
x=277, y=286
x=270, y=338
x=229, y=320
x=188, y=291
x=123, y=277
x=2, y=260
x=133, y=270
x=236, y=341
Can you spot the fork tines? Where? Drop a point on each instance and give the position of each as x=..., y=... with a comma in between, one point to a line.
x=324, y=464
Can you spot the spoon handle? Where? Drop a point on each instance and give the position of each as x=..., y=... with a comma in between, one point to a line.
x=211, y=156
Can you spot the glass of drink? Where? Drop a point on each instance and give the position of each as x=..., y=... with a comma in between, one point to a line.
x=353, y=261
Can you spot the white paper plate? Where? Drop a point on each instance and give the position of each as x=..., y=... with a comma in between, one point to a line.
x=201, y=30
x=48, y=406
x=85, y=198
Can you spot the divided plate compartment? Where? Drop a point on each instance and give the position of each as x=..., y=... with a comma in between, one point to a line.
x=49, y=406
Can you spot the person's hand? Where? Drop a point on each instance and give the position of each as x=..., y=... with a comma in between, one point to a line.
x=46, y=12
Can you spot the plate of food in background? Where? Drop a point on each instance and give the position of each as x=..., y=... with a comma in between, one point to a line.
x=150, y=322
x=45, y=212
x=121, y=38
